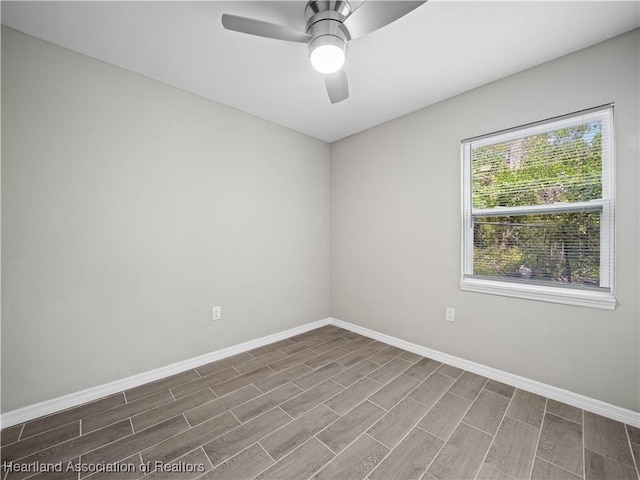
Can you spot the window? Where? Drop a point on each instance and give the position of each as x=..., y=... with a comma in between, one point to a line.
x=538, y=211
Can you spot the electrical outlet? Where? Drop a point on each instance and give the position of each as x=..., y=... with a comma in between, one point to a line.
x=217, y=313
x=450, y=315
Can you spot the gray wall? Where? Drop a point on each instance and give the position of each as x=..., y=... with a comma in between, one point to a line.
x=129, y=209
x=395, y=213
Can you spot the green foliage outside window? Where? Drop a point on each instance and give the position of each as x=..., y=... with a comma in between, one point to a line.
x=564, y=165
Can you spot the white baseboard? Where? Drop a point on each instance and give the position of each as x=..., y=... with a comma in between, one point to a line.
x=47, y=407
x=570, y=398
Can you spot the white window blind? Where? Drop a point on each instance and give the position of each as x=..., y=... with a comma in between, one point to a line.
x=538, y=210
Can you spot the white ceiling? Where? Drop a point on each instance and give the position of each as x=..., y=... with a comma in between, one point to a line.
x=439, y=50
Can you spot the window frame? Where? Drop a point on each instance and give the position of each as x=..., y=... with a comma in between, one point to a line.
x=601, y=297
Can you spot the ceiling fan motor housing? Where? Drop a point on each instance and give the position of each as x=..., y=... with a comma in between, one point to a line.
x=324, y=23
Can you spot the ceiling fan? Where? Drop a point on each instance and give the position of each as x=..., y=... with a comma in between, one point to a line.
x=331, y=24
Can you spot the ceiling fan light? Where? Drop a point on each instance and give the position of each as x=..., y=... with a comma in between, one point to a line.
x=327, y=59
x=327, y=54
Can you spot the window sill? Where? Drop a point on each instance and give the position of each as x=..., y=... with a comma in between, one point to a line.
x=582, y=298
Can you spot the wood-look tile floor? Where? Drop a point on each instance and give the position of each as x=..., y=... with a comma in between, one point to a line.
x=327, y=404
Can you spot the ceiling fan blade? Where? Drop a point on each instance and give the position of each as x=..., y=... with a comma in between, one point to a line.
x=372, y=15
x=337, y=86
x=263, y=29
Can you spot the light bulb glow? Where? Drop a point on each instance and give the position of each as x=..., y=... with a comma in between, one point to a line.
x=327, y=58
